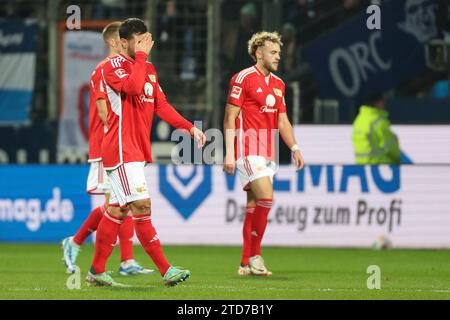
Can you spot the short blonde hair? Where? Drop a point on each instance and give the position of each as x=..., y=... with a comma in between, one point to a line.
x=111, y=31
x=259, y=39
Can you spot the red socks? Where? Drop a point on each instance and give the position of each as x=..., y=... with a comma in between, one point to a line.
x=148, y=238
x=105, y=241
x=259, y=223
x=246, y=232
x=126, y=233
x=89, y=226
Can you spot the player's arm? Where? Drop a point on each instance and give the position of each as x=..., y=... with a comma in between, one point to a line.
x=100, y=97
x=166, y=112
x=130, y=83
x=102, y=110
x=287, y=134
x=229, y=127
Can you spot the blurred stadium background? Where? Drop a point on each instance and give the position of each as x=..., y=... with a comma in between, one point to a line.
x=330, y=61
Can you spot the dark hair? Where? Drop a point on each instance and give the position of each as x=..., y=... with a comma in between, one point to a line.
x=131, y=26
x=372, y=98
x=111, y=30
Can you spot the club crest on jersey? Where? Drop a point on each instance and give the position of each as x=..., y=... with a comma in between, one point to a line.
x=121, y=73
x=236, y=92
x=278, y=92
x=152, y=77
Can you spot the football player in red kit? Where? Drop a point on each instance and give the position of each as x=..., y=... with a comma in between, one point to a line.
x=255, y=111
x=133, y=97
x=97, y=181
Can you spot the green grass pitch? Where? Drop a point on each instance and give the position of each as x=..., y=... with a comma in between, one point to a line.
x=36, y=272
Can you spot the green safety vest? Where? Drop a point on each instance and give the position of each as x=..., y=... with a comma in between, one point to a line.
x=373, y=140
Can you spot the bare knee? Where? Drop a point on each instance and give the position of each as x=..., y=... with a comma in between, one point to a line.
x=251, y=199
x=118, y=211
x=262, y=188
x=251, y=203
x=141, y=207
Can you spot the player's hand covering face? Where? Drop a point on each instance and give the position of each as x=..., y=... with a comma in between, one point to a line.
x=143, y=42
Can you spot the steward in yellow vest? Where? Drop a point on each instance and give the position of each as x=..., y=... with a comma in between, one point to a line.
x=373, y=140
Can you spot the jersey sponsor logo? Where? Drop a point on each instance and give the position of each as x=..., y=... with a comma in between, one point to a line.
x=259, y=90
x=270, y=100
x=270, y=103
x=236, y=92
x=278, y=92
x=143, y=99
x=148, y=93
x=152, y=77
x=148, y=89
x=185, y=187
x=266, y=109
x=120, y=73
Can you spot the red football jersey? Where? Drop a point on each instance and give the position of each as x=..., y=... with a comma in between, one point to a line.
x=133, y=95
x=261, y=99
x=96, y=130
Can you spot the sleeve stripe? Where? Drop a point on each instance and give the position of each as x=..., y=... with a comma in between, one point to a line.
x=241, y=76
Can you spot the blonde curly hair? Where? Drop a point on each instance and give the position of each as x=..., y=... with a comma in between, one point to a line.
x=259, y=39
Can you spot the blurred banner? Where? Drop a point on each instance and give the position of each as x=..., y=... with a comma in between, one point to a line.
x=323, y=205
x=17, y=66
x=332, y=144
x=82, y=51
x=42, y=203
x=354, y=61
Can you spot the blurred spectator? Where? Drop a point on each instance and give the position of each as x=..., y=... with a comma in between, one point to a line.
x=373, y=140
x=293, y=68
x=300, y=12
x=291, y=53
x=248, y=14
x=443, y=19
x=181, y=48
x=351, y=8
x=104, y=9
x=167, y=46
x=21, y=9
x=352, y=5
x=167, y=23
x=113, y=9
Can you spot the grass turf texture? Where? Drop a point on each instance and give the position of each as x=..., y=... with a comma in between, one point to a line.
x=36, y=272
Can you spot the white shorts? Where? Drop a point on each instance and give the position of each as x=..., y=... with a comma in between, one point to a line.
x=97, y=181
x=128, y=184
x=251, y=168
